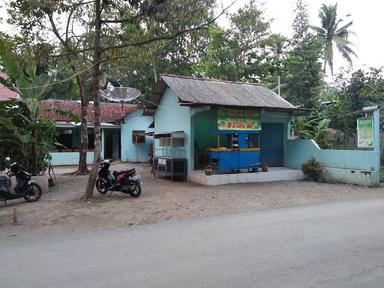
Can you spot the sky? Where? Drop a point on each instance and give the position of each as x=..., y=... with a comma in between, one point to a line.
x=367, y=19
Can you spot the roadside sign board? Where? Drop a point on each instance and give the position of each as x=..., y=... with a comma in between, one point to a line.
x=238, y=119
x=365, y=132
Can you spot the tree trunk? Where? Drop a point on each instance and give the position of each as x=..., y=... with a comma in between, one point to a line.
x=154, y=67
x=83, y=169
x=96, y=96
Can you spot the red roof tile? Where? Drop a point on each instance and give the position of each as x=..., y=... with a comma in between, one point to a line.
x=5, y=93
x=109, y=112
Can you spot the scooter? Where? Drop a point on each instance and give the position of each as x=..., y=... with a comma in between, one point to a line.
x=25, y=188
x=125, y=181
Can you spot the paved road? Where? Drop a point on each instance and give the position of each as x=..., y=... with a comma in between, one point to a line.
x=330, y=245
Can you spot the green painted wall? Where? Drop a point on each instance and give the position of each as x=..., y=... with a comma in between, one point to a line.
x=203, y=123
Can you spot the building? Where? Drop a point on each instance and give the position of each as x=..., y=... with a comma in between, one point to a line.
x=186, y=110
x=191, y=106
x=136, y=137
x=69, y=131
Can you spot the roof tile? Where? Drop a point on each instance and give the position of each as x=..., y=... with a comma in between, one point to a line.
x=109, y=112
x=5, y=93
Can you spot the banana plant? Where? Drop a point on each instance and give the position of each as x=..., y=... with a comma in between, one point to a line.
x=313, y=128
x=25, y=130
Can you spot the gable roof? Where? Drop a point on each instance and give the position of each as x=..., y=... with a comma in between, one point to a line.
x=109, y=112
x=5, y=93
x=197, y=91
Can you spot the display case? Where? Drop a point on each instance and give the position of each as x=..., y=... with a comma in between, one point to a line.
x=170, y=155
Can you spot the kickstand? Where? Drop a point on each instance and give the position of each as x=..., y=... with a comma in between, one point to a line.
x=110, y=194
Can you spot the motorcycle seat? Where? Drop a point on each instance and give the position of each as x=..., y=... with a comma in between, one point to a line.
x=129, y=171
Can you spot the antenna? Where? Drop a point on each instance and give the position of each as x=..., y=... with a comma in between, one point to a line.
x=120, y=94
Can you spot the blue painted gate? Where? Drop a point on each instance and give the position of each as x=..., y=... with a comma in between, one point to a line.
x=271, y=142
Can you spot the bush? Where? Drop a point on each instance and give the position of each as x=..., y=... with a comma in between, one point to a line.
x=312, y=169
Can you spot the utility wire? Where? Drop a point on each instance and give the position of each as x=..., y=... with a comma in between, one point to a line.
x=17, y=89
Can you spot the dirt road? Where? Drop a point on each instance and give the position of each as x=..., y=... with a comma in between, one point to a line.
x=162, y=200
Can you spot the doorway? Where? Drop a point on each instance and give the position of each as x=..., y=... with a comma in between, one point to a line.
x=271, y=142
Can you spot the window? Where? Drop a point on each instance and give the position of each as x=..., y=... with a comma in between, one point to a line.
x=253, y=140
x=65, y=138
x=178, y=142
x=221, y=141
x=138, y=136
x=165, y=141
x=70, y=139
x=291, y=131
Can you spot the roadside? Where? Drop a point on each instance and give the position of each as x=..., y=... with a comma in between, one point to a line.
x=163, y=200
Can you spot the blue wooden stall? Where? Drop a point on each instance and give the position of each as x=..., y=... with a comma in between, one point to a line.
x=235, y=150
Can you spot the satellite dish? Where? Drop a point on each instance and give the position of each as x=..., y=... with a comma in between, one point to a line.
x=120, y=94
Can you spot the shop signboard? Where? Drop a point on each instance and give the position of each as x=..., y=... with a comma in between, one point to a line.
x=365, y=132
x=238, y=119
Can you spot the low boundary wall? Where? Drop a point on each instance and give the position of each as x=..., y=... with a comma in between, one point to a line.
x=346, y=166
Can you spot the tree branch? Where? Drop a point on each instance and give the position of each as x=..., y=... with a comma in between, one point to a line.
x=126, y=20
x=170, y=36
x=147, y=41
x=55, y=30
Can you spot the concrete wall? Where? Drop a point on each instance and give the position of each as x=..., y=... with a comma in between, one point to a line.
x=129, y=150
x=347, y=166
x=170, y=117
x=69, y=158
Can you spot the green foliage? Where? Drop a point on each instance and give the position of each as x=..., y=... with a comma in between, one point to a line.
x=238, y=53
x=24, y=140
x=303, y=76
x=24, y=134
x=300, y=23
x=334, y=32
x=313, y=128
x=297, y=63
x=220, y=61
x=350, y=95
x=313, y=170
x=140, y=66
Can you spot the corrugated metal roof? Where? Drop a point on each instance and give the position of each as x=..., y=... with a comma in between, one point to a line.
x=219, y=92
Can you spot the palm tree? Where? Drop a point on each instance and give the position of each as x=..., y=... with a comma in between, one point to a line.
x=332, y=34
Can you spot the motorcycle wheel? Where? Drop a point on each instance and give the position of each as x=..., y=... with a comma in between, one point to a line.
x=100, y=186
x=136, y=191
x=34, y=193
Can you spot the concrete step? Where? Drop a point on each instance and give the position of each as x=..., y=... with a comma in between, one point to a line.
x=274, y=174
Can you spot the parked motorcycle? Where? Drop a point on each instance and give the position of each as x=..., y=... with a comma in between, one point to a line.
x=125, y=181
x=25, y=188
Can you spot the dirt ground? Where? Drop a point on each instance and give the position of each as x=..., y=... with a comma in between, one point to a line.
x=162, y=200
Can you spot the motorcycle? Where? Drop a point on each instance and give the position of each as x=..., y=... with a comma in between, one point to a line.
x=125, y=181
x=25, y=188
